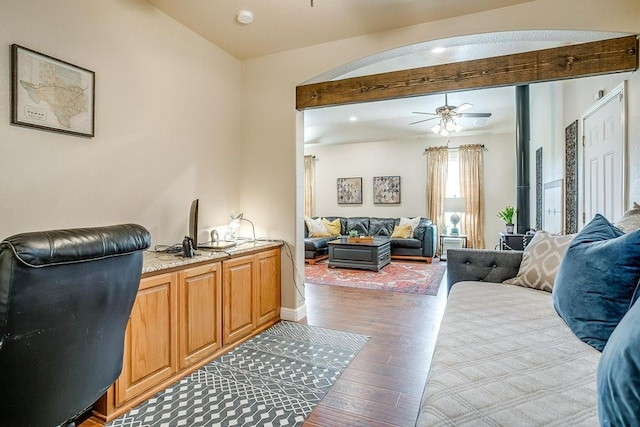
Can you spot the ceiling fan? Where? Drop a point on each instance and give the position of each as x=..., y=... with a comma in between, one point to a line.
x=447, y=115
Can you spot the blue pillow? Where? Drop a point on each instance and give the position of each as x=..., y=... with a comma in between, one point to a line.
x=619, y=374
x=596, y=280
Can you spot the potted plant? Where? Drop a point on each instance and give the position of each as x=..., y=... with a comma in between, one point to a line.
x=506, y=215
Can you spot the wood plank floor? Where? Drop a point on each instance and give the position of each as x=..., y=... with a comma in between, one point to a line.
x=383, y=385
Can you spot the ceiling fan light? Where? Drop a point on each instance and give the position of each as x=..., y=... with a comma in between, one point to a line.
x=444, y=132
x=436, y=129
x=457, y=128
x=450, y=126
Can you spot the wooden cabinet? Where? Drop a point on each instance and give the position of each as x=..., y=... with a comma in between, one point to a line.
x=251, y=291
x=150, y=338
x=268, y=286
x=186, y=316
x=239, y=287
x=199, y=313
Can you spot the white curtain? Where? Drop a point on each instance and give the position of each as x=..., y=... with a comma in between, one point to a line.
x=471, y=188
x=309, y=166
x=437, y=167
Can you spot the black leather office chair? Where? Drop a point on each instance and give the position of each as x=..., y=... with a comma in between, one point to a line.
x=65, y=299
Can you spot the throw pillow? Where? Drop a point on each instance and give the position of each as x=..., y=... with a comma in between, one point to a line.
x=619, y=374
x=401, y=232
x=541, y=260
x=333, y=227
x=316, y=227
x=412, y=222
x=630, y=221
x=597, y=280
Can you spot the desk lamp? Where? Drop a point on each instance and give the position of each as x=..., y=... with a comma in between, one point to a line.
x=235, y=224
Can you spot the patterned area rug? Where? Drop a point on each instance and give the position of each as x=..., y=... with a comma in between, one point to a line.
x=409, y=277
x=274, y=379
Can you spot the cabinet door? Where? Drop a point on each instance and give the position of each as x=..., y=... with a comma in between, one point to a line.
x=150, y=339
x=239, y=278
x=199, y=313
x=268, y=289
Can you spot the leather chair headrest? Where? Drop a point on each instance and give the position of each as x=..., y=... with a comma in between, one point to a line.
x=42, y=248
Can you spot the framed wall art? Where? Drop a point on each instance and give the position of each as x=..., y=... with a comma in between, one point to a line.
x=349, y=191
x=539, y=189
x=386, y=190
x=50, y=94
x=571, y=176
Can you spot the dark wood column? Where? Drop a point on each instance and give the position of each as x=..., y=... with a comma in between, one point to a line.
x=523, y=138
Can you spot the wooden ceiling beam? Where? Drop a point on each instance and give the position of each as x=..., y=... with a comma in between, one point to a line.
x=567, y=62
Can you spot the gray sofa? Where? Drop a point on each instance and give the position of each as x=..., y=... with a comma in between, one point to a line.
x=420, y=246
x=503, y=356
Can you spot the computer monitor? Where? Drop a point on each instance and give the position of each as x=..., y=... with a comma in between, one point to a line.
x=193, y=223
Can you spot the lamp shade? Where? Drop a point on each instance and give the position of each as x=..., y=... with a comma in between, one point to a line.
x=455, y=204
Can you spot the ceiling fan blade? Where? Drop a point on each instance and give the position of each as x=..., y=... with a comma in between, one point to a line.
x=425, y=120
x=462, y=107
x=475, y=115
x=420, y=112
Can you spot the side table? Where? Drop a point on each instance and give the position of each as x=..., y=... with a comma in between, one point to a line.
x=451, y=241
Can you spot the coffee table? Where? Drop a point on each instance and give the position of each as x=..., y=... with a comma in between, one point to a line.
x=362, y=255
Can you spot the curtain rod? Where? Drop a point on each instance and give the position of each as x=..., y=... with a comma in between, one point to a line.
x=453, y=148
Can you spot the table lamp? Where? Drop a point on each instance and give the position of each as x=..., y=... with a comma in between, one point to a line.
x=455, y=205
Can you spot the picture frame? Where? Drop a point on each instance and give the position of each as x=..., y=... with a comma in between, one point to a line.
x=386, y=190
x=50, y=94
x=349, y=191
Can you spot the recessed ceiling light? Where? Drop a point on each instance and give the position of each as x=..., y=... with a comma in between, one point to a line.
x=439, y=49
x=245, y=16
x=353, y=119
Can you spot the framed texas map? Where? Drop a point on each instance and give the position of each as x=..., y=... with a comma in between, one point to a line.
x=51, y=94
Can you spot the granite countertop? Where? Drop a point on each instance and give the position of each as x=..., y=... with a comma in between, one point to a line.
x=157, y=261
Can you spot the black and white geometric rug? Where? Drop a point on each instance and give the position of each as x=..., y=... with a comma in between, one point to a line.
x=273, y=379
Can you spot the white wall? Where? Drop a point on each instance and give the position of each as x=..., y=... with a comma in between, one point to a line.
x=556, y=105
x=407, y=159
x=167, y=122
x=270, y=119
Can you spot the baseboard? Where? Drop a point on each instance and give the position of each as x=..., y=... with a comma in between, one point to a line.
x=293, y=315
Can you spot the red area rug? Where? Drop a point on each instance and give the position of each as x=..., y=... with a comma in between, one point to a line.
x=408, y=277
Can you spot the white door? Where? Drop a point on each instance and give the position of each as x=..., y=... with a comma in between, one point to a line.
x=604, y=164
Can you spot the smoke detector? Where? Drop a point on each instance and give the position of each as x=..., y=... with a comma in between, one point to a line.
x=245, y=16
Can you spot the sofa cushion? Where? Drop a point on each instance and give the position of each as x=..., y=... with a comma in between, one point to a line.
x=401, y=232
x=412, y=222
x=316, y=227
x=619, y=374
x=630, y=221
x=597, y=279
x=503, y=357
x=316, y=243
x=541, y=260
x=359, y=224
x=406, y=243
x=333, y=227
x=381, y=226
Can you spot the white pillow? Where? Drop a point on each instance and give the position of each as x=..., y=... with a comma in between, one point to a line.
x=411, y=222
x=630, y=221
x=316, y=227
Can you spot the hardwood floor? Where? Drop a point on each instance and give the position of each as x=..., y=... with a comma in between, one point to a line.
x=383, y=385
